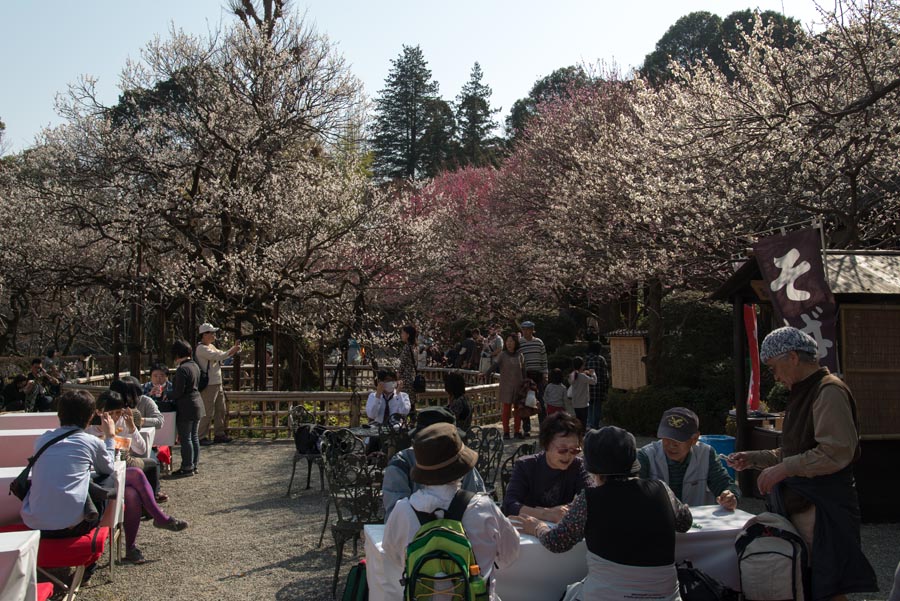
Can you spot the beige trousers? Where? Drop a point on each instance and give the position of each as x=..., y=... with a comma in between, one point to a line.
x=216, y=412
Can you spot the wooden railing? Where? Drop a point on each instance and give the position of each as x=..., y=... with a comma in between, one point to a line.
x=263, y=413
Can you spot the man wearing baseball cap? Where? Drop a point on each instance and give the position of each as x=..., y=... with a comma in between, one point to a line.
x=209, y=358
x=691, y=468
x=398, y=483
x=536, y=368
x=810, y=478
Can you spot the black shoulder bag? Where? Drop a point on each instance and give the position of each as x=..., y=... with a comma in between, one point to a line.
x=22, y=484
x=203, y=382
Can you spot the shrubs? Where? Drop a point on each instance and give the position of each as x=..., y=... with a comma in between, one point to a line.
x=695, y=369
x=639, y=411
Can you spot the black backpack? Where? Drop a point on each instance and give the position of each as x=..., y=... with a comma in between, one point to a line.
x=307, y=438
x=696, y=585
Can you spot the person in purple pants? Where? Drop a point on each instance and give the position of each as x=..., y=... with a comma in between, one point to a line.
x=139, y=497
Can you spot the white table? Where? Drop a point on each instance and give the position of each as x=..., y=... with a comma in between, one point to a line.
x=10, y=505
x=18, y=565
x=29, y=421
x=18, y=445
x=149, y=435
x=709, y=544
x=539, y=575
x=519, y=582
x=165, y=436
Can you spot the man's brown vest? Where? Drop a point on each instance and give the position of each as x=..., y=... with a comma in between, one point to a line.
x=799, y=431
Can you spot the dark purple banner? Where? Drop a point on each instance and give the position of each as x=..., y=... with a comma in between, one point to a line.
x=792, y=267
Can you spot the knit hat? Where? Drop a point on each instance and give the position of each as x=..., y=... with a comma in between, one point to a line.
x=434, y=415
x=678, y=423
x=441, y=456
x=785, y=340
x=610, y=451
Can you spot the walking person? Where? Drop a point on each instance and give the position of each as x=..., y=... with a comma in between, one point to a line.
x=536, y=368
x=210, y=359
x=580, y=380
x=511, y=366
x=408, y=364
x=599, y=391
x=189, y=407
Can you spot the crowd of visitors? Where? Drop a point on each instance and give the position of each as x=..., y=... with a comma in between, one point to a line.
x=587, y=482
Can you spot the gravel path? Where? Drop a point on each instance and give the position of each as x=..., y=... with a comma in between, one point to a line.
x=247, y=540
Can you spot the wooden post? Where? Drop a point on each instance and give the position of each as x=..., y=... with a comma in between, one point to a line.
x=275, y=364
x=116, y=348
x=236, y=364
x=188, y=324
x=740, y=389
x=321, y=360
x=162, y=351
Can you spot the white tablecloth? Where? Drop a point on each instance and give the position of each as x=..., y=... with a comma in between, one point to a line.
x=149, y=435
x=166, y=435
x=18, y=565
x=10, y=505
x=29, y=421
x=18, y=445
x=519, y=582
x=539, y=575
x=709, y=544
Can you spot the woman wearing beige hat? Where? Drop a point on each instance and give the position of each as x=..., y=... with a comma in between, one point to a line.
x=441, y=462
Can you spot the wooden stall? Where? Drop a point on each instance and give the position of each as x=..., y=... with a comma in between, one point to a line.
x=866, y=286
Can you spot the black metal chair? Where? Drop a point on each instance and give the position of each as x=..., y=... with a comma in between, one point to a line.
x=488, y=442
x=335, y=445
x=394, y=437
x=301, y=420
x=506, y=468
x=354, y=488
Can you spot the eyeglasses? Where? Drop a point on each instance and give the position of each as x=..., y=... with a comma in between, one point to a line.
x=566, y=450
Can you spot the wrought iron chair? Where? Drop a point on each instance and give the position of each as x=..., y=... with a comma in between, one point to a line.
x=506, y=468
x=354, y=487
x=488, y=442
x=394, y=437
x=301, y=420
x=335, y=445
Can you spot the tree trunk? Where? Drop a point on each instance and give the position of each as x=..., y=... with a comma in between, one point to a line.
x=655, y=329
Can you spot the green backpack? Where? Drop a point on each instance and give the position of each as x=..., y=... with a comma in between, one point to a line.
x=439, y=558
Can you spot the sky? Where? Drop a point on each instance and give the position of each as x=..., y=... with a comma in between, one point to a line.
x=47, y=44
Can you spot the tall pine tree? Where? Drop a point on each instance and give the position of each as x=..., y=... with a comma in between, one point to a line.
x=402, y=113
x=475, y=122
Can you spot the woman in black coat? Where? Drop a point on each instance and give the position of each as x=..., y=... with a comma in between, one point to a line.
x=189, y=407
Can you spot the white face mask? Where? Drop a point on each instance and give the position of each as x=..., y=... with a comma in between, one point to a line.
x=388, y=386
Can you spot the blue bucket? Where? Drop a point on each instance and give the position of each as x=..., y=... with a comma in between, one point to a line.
x=723, y=445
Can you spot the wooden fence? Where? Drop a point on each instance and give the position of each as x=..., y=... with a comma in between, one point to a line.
x=263, y=413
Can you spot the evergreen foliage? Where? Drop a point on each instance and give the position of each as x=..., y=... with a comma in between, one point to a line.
x=403, y=109
x=475, y=121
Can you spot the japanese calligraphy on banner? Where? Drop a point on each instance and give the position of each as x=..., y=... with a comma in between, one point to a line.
x=792, y=267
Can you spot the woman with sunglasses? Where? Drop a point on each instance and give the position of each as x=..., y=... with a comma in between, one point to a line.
x=543, y=485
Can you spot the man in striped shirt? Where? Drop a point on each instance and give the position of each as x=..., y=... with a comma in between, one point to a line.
x=535, y=354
